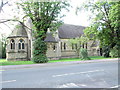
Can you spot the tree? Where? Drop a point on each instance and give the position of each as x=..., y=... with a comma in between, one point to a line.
x=114, y=16
x=84, y=54
x=3, y=46
x=102, y=27
x=44, y=15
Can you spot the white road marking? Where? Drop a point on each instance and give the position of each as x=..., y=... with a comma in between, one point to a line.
x=90, y=77
x=116, y=86
x=8, y=81
x=60, y=75
x=68, y=85
x=82, y=85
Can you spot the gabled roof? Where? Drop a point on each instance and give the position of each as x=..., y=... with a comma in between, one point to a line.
x=67, y=31
x=50, y=38
x=19, y=31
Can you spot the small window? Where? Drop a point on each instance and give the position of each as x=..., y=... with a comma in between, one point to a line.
x=83, y=45
x=76, y=46
x=64, y=46
x=54, y=47
x=72, y=46
x=12, y=44
x=21, y=44
x=61, y=45
x=86, y=45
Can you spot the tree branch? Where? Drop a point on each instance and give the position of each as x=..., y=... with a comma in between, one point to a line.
x=2, y=4
x=7, y=20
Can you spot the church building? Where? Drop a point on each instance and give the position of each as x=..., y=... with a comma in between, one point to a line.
x=19, y=43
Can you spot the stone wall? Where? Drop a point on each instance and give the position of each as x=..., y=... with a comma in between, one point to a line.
x=93, y=50
x=68, y=51
x=17, y=54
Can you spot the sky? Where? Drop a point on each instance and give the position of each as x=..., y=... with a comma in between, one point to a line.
x=70, y=18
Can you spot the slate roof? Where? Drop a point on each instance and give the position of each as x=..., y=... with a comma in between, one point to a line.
x=19, y=31
x=50, y=38
x=67, y=31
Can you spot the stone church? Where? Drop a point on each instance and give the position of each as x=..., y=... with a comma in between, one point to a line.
x=20, y=43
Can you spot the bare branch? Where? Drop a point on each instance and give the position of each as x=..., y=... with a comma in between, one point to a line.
x=2, y=4
x=7, y=20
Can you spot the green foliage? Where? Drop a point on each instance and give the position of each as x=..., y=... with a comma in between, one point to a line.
x=105, y=24
x=5, y=62
x=3, y=46
x=84, y=54
x=41, y=58
x=79, y=42
x=91, y=32
x=114, y=16
x=39, y=51
x=106, y=51
x=43, y=15
x=114, y=52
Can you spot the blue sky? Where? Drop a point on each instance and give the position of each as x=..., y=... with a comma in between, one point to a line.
x=71, y=17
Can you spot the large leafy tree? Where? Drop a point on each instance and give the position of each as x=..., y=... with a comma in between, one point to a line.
x=44, y=15
x=3, y=46
x=105, y=24
x=114, y=16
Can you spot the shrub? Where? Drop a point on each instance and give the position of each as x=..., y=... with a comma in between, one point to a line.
x=39, y=51
x=106, y=51
x=84, y=54
x=40, y=59
x=114, y=52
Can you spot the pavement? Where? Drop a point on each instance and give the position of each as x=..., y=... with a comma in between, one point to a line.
x=9, y=67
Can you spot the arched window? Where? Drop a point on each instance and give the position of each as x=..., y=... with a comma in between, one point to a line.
x=12, y=44
x=21, y=44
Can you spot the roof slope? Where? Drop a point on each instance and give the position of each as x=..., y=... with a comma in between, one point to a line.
x=67, y=31
x=19, y=31
x=50, y=38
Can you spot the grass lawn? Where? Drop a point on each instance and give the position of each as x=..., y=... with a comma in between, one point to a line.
x=78, y=59
x=4, y=62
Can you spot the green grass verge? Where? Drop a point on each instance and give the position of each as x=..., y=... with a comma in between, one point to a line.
x=5, y=62
x=78, y=59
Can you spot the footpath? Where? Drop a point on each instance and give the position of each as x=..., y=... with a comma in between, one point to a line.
x=9, y=67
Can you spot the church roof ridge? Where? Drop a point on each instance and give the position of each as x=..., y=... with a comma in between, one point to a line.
x=74, y=25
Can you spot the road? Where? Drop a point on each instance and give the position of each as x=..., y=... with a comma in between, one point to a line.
x=88, y=75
